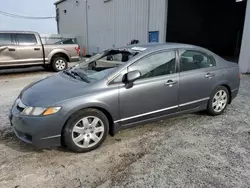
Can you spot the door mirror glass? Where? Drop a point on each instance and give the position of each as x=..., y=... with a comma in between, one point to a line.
x=132, y=76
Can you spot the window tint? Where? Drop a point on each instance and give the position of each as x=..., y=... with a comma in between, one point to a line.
x=155, y=65
x=25, y=39
x=191, y=60
x=5, y=38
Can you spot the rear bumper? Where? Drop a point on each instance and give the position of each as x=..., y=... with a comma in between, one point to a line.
x=234, y=93
x=75, y=59
x=42, y=132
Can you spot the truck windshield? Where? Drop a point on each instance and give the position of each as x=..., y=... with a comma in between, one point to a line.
x=101, y=65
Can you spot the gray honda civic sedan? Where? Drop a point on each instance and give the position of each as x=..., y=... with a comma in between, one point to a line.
x=121, y=88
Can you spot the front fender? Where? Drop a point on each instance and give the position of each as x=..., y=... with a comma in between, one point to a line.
x=74, y=107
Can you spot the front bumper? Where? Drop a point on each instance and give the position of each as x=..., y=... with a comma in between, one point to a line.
x=42, y=131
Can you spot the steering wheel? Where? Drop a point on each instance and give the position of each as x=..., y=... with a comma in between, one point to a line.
x=92, y=65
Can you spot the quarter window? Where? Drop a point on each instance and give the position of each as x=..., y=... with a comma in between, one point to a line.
x=156, y=65
x=26, y=39
x=5, y=39
x=192, y=60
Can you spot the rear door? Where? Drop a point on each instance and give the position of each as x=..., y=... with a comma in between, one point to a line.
x=8, y=53
x=29, y=49
x=197, y=78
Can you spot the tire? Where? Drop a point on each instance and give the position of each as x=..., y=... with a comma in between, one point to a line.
x=59, y=64
x=218, y=101
x=81, y=139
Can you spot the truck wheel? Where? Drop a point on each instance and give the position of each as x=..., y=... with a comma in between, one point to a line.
x=85, y=131
x=59, y=64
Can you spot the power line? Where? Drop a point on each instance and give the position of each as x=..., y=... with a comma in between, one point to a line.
x=25, y=17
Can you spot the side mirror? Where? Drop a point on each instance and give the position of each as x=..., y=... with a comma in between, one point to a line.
x=133, y=75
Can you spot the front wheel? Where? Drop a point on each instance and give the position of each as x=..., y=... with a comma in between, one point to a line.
x=218, y=101
x=59, y=64
x=86, y=130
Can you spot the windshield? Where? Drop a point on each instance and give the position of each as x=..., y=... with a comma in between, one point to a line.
x=101, y=65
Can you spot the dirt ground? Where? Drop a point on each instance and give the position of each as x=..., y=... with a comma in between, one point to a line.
x=193, y=150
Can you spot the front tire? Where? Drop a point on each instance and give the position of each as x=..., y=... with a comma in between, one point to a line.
x=218, y=101
x=85, y=131
x=59, y=64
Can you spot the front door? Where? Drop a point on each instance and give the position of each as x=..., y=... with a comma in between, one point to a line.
x=8, y=53
x=197, y=78
x=155, y=93
x=29, y=49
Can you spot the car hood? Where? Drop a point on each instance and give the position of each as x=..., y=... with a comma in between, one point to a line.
x=52, y=90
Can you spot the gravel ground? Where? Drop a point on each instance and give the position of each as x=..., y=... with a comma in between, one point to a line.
x=193, y=150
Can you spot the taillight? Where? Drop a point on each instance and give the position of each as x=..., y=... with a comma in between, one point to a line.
x=78, y=50
x=239, y=75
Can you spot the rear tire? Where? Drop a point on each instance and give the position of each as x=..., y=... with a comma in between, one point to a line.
x=218, y=101
x=85, y=131
x=59, y=64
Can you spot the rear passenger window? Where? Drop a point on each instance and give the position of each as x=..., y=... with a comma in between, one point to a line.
x=192, y=60
x=26, y=39
x=5, y=39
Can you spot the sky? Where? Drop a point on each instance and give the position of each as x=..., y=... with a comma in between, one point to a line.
x=28, y=8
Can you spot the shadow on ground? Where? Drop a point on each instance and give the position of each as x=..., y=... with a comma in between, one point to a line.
x=17, y=71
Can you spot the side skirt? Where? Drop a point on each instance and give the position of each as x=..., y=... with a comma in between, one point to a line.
x=118, y=126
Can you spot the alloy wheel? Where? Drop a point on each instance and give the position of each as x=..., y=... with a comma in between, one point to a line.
x=87, y=132
x=60, y=64
x=220, y=100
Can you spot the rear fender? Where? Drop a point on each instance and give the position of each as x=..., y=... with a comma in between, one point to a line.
x=57, y=51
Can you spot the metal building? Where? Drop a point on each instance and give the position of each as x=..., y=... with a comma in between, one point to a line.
x=221, y=26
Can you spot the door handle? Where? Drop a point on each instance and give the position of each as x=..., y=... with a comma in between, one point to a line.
x=12, y=49
x=36, y=49
x=170, y=83
x=209, y=75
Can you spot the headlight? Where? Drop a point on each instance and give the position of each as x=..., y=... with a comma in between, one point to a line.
x=37, y=111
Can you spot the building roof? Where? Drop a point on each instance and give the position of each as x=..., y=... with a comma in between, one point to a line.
x=58, y=2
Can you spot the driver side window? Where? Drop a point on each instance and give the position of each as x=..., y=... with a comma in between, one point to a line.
x=158, y=64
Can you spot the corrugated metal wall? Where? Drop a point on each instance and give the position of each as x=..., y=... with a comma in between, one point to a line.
x=74, y=21
x=100, y=25
x=113, y=23
x=244, y=60
x=131, y=21
x=158, y=18
x=117, y=22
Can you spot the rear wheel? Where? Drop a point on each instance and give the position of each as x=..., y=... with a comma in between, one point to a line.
x=218, y=101
x=86, y=130
x=59, y=64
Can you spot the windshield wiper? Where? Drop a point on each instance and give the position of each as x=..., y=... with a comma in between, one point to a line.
x=69, y=74
x=81, y=76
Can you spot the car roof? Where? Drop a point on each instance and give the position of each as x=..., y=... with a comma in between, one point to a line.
x=159, y=46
